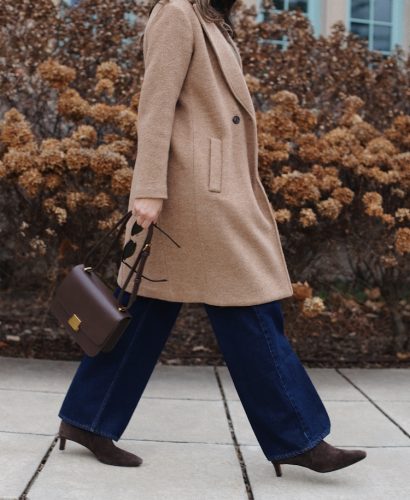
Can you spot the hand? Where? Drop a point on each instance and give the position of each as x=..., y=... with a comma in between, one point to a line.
x=147, y=210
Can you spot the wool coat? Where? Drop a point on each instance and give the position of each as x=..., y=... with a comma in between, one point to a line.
x=198, y=151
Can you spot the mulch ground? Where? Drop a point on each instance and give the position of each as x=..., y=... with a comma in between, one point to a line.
x=347, y=335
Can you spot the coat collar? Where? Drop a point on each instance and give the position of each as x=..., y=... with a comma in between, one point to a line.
x=228, y=62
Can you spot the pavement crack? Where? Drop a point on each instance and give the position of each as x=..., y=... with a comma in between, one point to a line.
x=40, y=467
x=373, y=403
x=234, y=439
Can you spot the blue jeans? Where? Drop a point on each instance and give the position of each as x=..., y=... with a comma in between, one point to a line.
x=279, y=399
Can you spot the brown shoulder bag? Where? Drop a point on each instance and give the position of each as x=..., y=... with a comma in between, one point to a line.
x=88, y=308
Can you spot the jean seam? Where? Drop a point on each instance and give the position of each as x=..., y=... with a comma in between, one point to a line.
x=293, y=404
x=119, y=369
x=86, y=427
x=311, y=445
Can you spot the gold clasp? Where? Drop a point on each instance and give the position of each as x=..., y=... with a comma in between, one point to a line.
x=74, y=322
x=122, y=308
x=88, y=269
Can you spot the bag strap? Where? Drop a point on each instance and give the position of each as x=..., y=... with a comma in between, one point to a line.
x=122, y=222
x=140, y=262
x=141, y=258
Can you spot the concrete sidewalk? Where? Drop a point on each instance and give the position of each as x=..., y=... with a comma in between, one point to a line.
x=196, y=441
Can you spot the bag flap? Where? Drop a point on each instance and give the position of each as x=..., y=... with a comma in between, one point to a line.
x=84, y=295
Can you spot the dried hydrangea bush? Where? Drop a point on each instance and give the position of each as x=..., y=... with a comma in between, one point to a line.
x=334, y=136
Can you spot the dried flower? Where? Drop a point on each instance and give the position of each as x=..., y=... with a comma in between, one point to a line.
x=38, y=245
x=56, y=75
x=72, y=106
x=402, y=214
x=31, y=181
x=343, y=194
x=307, y=217
x=105, y=162
x=52, y=181
x=16, y=161
x=312, y=307
x=388, y=261
x=74, y=199
x=373, y=293
x=302, y=291
x=102, y=200
x=108, y=70
x=121, y=181
x=124, y=147
x=402, y=240
x=102, y=113
x=15, y=130
x=126, y=120
x=373, y=203
x=329, y=208
x=296, y=187
x=105, y=86
x=135, y=99
x=282, y=215
x=85, y=135
x=79, y=158
x=107, y=224
x=51, y=160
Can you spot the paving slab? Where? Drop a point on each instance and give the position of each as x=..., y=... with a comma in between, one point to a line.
x=179, y=420
x=20, y=456
x=183, y=382
x=36, y=374
x=382, y=474
x=328, y=382
x=199, y=382
x=174, y=471
x=353, y=423
x=398, y=411
x=381, y=384
x=29, y=411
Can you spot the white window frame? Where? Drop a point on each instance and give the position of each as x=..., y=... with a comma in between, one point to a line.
x=396, y=24
x=314, y=14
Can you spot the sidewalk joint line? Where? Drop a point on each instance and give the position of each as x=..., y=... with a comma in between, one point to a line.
x=374, y=403
x=234, y=439
x=40, y=467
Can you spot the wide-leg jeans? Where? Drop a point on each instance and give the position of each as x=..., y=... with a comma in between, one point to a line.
x=280, y=401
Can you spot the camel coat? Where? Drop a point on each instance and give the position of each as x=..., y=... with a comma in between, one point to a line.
x=198, y=150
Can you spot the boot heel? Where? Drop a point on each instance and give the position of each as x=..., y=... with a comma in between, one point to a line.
x=62, y=443
x=278, y=469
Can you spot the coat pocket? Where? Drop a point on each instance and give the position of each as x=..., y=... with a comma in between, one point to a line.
x=215, y=165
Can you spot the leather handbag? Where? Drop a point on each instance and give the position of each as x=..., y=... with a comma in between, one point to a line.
x=86, y=305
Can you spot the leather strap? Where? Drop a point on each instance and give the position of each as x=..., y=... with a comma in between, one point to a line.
x=139, y=261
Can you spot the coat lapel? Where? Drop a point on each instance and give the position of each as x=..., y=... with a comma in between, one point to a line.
x=228, y=62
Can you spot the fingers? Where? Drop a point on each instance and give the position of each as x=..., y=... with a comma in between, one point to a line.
x=146, y=211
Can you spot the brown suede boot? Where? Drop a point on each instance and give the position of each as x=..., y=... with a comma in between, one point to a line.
x=322, y=458
x=103, y=448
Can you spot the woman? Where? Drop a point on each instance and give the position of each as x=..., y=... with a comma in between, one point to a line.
x=196, y=175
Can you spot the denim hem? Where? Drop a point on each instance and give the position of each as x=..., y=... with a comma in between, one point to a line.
x=117, y=374
x=87, y=427
x=311, y=445
x=304, y=427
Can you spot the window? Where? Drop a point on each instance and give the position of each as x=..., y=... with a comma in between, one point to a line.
x=310, y=8
x=378, y=22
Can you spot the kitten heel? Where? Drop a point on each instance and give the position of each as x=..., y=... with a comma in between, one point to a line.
x=278, y=469
x=62, y=442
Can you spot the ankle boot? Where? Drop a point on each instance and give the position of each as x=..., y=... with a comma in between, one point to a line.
x=103, y=448
x=322, y=458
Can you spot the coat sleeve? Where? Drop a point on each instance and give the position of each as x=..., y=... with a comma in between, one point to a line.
x=167, y=45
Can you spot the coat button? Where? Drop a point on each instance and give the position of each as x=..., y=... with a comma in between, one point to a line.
x=236, y=119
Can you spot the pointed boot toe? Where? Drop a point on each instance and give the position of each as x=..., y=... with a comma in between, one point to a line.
x=322, y=458
x=102, y=447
